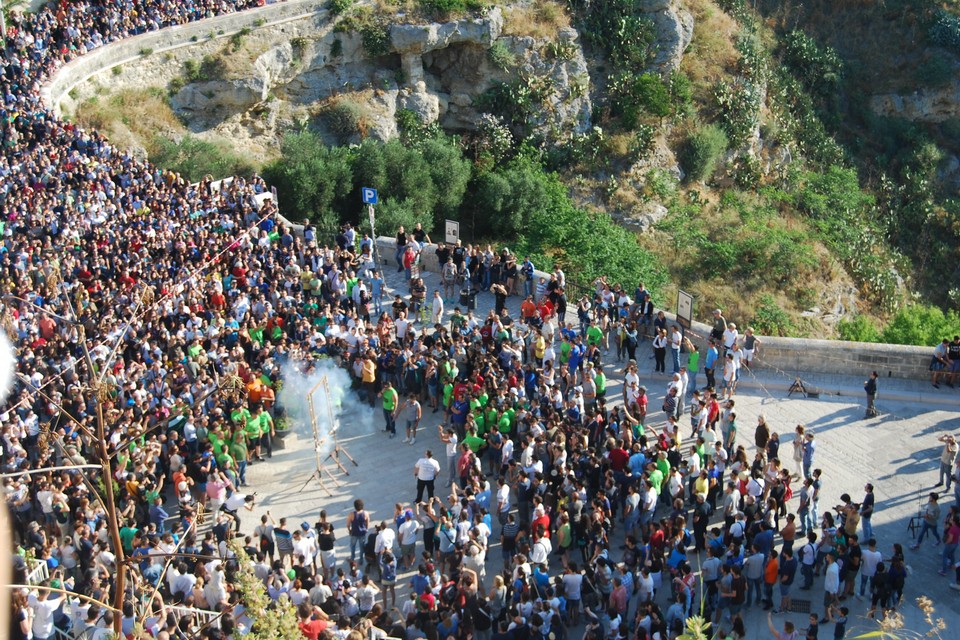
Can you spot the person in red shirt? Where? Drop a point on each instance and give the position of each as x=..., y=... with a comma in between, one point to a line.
x=618, y=457
x=313, y=621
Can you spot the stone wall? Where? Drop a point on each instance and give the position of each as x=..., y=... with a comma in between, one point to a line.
x=789, y=355
x=57, y=89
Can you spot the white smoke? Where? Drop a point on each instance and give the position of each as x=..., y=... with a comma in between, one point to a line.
x=8, y=365
x=336, y=409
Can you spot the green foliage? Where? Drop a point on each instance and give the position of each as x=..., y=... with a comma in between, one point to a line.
x=617, y=28
x=259, y=22
x=236, y=40
x=501, y=57
x=702, y=150
x=516, y=102
x=146, y=51
x=494, y=138
x=194, y=158
x=274, y=619
x=749, y=243
x=681, y=92
x=921, y=325
x=211, y=67
x=859, y=328
x=739, y=105
x=310, y=177
x=799, y=121
x=634, y=95
x=820, y=69
x=336, y=48
x=846, y=217
x=376, y=38
x=738, y=9
x=553, y=226
x=945, y=30
x=560, y=50
x=443, y=9
x=345, y=118
x=339, y=7
x=643, y=140
x=770, y=319
x=176, y=84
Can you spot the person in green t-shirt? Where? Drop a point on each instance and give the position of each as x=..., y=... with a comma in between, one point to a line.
x=238, y=449
x=266, y=432
x=127, y=533
x=474, y=441
x=565, y=347
x=693, y=363
x=600, y=380
x=594, y=335
x=389, y=399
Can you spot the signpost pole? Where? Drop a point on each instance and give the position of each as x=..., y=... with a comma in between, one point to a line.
x=373, y=236
x=370, y=197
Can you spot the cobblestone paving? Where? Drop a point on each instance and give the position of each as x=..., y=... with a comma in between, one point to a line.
x=898, y=452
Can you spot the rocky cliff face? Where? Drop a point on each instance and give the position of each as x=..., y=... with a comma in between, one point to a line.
x=674, y=32
x=435, y=70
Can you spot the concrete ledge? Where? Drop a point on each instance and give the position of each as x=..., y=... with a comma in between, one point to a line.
x=789, y=355
x=128, y=50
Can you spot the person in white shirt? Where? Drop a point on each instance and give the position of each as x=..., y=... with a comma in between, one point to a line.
x=427, y=469
x=386, y=537
x=869, y=561
x=449, y=438
x=503, y=500
x=408, y=538
x=43, y=603
x=541, y=550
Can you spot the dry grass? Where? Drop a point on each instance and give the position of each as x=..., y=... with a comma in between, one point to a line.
x=131, y=117
x=540, y=20
x=711, y=55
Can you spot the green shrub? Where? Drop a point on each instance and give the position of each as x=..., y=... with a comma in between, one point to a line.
x=702, y=150
x=146, y=51
x=945, y=30
x=376, y=39
x=443, y=9
x=820, y=69
x=739, y=104
x=633, y=96
x=617, y=28
x=340, y=7
x=859, y=328
x=336, y=48
x=345, y=118
x=770, y=319
x=176, y=85
x=501, y=57
x=194, y=158
x=311, y=179
x=259, y=22
x=921, y=325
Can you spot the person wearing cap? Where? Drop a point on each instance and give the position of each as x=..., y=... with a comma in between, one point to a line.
x=407, y=533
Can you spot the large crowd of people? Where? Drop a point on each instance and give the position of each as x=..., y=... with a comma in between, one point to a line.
x=164, y=312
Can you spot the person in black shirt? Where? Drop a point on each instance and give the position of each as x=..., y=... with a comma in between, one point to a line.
x=401, y=246
x=443, y=254
x=870, y=386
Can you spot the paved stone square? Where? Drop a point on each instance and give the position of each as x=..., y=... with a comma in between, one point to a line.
x=897, y=451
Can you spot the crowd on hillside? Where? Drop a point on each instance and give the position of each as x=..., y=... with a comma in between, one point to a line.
x=171, y=308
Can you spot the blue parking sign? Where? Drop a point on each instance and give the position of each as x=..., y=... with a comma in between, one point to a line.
x=368, y=195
